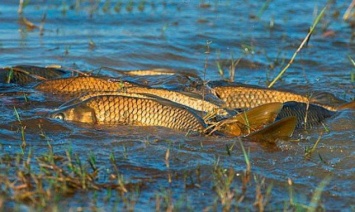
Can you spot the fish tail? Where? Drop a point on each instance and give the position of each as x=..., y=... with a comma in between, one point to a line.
x=349, y=105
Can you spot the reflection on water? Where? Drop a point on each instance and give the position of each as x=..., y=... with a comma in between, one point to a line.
x=204, y=37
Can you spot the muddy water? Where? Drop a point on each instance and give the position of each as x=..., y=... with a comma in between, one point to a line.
x=191, y=36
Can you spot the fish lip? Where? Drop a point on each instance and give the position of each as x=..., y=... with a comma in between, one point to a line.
x=61, y=108
x=50, y=115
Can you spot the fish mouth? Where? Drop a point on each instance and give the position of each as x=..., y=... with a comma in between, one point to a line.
x=75, y=113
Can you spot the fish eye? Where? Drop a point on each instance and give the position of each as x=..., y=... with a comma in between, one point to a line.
x=59, y=116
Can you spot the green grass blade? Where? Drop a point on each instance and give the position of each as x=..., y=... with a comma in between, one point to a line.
x=305, y=40
x=317, y=194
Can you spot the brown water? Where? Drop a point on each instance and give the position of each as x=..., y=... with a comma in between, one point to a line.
x=177, y=35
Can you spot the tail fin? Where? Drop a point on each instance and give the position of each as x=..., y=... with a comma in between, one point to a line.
x=278, y=130
x=249, y=121
x=349, y=105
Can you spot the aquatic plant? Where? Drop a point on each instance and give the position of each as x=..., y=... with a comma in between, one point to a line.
x=22, y=128
x=310, y=151
x=304, y=42
x=352, y=74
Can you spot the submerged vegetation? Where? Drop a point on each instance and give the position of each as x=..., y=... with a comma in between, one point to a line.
x=44, y=181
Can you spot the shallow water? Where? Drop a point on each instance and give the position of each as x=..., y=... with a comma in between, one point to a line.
x=177, y=35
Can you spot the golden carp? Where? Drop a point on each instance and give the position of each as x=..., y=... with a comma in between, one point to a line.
x=78, y=86
x=309, y=111
x=126, y=110
x=241, y=96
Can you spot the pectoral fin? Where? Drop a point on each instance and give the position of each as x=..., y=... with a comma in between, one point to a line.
x=250, y=121
x=282, y=129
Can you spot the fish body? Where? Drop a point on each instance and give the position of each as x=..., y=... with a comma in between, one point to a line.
x=156, y=72
x=190, y=100
x=240, y=96
x=243, y=97
x=126, y=110
x=101, y=93
x=78, y=86
x=309, y=111
x=25, y=74
x=308, y=115
x=45, y=72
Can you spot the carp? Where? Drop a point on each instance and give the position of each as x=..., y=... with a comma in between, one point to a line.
x=241, y=96
x=128, y=110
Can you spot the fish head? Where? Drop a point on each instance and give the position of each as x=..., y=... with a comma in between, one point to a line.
x=76, y=113
x=232, y=129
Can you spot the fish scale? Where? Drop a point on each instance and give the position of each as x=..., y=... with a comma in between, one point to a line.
x=195, y=103
x=308, y=116
x=248, y=97
x=24, y=74
x=116, y=109
x=77, y=86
